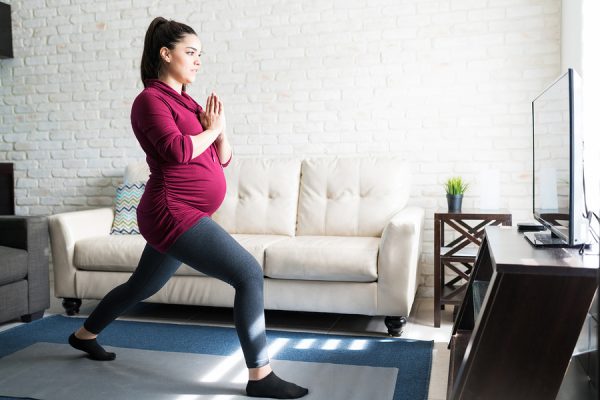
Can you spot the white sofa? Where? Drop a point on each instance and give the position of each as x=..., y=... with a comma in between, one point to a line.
x=332, y=235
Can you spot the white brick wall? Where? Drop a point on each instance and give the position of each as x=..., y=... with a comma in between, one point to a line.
x=446, y=84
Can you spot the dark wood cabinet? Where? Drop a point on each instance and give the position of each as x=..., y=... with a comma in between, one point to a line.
x=520, y=319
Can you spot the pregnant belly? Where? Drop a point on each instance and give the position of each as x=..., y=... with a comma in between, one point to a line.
x=176, y=193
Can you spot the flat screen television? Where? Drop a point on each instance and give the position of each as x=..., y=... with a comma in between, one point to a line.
x=558, y=181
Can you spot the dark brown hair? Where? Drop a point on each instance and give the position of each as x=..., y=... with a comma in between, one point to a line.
x=161, y=33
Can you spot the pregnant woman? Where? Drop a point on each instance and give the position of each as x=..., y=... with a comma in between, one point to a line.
x=186, y=149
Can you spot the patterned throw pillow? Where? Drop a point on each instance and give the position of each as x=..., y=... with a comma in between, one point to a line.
x=126, y=203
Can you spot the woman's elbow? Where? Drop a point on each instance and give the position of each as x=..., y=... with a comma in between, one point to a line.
x=177, y=151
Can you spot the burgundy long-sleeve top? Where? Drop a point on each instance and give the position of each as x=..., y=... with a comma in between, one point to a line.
x=181, y=189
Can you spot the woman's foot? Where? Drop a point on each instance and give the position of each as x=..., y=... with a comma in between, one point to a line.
x=91, y=346
x=274, y=387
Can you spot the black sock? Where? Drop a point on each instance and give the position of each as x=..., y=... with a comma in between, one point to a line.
x=274, y=387
x=91, y=346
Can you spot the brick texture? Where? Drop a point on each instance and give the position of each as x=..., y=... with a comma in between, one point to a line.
x=445, y=84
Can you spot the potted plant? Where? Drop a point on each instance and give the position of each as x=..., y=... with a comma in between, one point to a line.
x=455, y=189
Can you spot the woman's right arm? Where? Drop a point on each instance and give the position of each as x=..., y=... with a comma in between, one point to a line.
x=154, y=121
x=202, y=141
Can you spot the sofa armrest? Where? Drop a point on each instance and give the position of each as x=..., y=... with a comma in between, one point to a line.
x=399, y=253
x=30, y=233
x=65, y=230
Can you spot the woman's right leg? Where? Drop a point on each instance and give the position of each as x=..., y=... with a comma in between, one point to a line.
x=153, y=271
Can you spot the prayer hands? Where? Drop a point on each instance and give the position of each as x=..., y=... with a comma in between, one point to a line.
x=213, y=116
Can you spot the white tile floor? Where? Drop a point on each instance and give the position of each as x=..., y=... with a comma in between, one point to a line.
x=419, y=326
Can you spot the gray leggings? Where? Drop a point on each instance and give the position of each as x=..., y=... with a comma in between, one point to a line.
x=207, y=248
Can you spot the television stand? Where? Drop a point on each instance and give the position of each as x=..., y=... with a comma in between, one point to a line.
x=520, y=318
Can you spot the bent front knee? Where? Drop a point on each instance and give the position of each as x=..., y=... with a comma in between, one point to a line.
x=253, y=276
x=256, y=273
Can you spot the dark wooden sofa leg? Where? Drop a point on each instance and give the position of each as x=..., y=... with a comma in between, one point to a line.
x=71, y=305
x=394, y=325
x=32, y=316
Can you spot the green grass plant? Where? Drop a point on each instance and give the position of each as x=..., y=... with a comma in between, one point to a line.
x=455, y=186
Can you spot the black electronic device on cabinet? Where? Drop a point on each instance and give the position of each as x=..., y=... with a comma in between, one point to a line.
x=530, y=227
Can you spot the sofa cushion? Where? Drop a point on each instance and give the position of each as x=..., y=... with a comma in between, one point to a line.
x=118, y=253
x=13, y=266
x=122, y=253
x=325, y=258
x=262, y=196
x=351, y=196
x=256, y=244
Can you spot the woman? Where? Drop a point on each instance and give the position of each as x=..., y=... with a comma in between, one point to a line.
x=185, y=148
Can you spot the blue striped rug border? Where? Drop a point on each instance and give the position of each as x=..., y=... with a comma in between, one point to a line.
x=412, y=357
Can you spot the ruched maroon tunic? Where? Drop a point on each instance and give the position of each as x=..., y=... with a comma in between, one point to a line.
x=181, y=189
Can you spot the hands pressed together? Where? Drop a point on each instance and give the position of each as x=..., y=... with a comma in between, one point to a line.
x=212, y=119
x=213, y=116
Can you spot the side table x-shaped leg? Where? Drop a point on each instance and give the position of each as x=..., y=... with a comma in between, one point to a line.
x=459, y=254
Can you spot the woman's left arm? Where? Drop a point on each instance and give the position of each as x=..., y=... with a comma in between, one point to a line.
x=223, y=149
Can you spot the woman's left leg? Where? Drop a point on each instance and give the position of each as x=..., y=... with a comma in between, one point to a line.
x=209, y=249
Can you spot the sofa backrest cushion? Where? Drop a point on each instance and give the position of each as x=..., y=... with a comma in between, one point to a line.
x=137, y=171
x=351, y=196
x=262, y=196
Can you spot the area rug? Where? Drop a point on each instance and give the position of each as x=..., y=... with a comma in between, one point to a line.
x=185, y=362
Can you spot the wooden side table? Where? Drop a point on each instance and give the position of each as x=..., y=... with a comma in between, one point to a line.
x=458, y=255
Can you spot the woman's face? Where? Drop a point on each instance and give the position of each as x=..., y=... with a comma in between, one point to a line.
x=183, y=62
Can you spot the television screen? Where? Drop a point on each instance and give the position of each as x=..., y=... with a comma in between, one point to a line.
x=558, y=186
x=552, y=160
